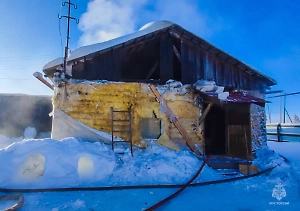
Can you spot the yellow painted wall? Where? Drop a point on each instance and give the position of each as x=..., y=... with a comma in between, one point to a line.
x=91, y=103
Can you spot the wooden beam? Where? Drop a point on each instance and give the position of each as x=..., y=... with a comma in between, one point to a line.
x=177, y=124
x=152, y=70
x=176, y=52
x=205, y=112
x=39, y=76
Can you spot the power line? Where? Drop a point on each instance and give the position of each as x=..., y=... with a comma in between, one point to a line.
x=22, y=79
x=295, y=93
x=19, y=68
x=22, y=86
x=27, y=57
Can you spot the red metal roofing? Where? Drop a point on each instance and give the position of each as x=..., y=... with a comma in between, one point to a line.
x=239, y=97
x=242, y=97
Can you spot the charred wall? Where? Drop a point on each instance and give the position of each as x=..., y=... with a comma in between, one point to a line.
x=154, y=58
x=91, y=105
x=199, y=63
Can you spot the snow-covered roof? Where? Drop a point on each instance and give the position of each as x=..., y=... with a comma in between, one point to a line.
x=55, y=62
x=90, y=49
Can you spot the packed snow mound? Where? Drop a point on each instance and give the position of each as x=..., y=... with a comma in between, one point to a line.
x=42, y=135
x=30, y=132
x=5, y=141
x=71, y=162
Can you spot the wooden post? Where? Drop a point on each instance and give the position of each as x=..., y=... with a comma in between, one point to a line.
x=278, y=132
x=205, y=113
x=176, y=52
x=247, y=151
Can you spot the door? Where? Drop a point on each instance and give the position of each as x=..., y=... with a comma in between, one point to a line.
x=239, y=142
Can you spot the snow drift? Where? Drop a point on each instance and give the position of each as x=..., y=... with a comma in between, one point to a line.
x=71, y=162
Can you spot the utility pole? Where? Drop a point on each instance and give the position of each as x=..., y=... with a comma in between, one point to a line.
x=284, y=109
x=280, y=109
x=69, y=3
x=284, y=103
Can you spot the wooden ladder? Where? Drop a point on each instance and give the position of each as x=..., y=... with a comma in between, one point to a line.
x=114, y=130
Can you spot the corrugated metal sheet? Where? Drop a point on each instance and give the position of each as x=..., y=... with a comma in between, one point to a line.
x=237, y=97
x=241, y=97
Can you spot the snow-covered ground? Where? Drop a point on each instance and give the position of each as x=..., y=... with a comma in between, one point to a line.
x=47, y=163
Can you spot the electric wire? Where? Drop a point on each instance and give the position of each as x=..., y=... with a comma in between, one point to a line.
x=295, y=93
x=25, y=59
x=22, y=79
x=19, y=68
x=29, y=89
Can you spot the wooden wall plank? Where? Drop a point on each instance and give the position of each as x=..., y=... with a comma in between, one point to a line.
x=116, y=66
x=166, y=59
x=196, y=63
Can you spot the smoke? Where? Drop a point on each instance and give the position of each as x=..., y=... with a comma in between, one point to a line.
x=186, y=13
x=108, y=19
x=105, y=20
x=20, y=111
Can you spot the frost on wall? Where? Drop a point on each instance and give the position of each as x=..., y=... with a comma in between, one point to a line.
x=258, y=124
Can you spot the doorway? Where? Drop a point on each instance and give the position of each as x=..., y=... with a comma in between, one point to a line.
x=214, y=130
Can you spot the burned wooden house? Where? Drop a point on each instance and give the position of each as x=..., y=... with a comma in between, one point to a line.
x=111, y=91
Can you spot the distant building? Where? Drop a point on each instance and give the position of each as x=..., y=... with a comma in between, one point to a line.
x=117, y=74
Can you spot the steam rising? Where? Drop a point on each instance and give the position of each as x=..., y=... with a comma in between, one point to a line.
x=20, y=111
x=105, y=20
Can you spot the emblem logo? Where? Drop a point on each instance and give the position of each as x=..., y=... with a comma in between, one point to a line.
x=279, y=192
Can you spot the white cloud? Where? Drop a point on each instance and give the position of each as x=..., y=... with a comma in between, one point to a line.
x=185, y=13
x=107, y=19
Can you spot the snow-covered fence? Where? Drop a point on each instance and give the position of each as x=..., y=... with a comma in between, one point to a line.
x=20, y=111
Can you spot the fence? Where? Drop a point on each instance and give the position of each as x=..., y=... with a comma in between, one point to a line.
x=283, y=132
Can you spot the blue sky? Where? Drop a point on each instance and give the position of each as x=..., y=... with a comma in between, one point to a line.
x=264, y=34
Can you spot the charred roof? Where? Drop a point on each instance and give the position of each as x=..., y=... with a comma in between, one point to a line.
x=142, y=50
